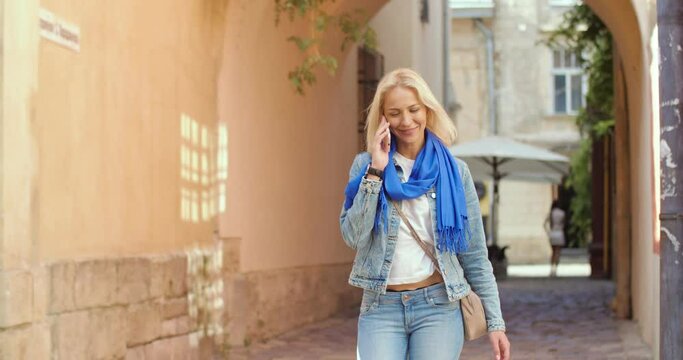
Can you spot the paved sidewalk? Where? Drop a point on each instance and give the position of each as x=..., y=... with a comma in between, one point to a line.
x=563, y=318
x=560, y=318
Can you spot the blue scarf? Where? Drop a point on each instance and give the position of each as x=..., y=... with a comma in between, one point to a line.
x=434, y=166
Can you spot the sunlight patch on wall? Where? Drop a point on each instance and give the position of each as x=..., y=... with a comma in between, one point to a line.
x=203, y=170
x=222, y=175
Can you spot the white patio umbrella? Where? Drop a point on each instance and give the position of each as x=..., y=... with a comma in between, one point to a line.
x=498, y=157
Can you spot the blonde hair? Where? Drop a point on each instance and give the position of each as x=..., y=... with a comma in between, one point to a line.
x=438, y=121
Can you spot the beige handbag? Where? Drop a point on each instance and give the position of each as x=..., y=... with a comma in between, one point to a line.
x=474, y=319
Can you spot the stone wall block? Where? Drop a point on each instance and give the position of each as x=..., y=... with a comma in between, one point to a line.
x=16, y=298
x=71, y=335
x=136, y=353
x=174, y=348
x=231, y=255
x=168, y=328
x=41, y=292
x=169, y=276
x=173, y=308
x=178, y=326
x=134, y=280
x=157, y=276
x=61, y=293
x=144, y=323
x=176, y=277
x=207, y=348
x=184, y=325
x=239, y=301
x=95, y=283
x=107, y=333
x=90, y=334
x=26, y=343
x=255, y=306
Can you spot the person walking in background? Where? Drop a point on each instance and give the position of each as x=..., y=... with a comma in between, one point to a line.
x=412, y=215
x=554, y=227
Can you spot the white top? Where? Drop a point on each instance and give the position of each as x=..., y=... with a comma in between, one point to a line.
x=557, y=219
x=410, y=263
x=556, y=233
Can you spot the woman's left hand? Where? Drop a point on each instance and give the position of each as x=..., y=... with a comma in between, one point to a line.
x=501, y=345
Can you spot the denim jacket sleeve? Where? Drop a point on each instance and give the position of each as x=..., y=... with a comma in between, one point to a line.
x=475, y=262
x=356, y=223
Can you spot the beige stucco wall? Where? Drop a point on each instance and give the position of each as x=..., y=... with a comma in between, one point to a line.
x=289, y=155
x=394, y=27
x=96, y=135
x=468, y=73
x=102, y=127
x=18, y=151
x=106, y=124
x=429, y=52
x=407, y=42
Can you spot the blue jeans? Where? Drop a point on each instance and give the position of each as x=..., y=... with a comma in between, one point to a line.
x=421, y=324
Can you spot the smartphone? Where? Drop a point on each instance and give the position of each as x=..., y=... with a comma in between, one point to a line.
x=387, y=140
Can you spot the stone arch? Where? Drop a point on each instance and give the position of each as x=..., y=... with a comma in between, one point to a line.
x=631, y=24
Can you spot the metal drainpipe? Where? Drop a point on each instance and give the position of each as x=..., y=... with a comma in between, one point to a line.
x=670, y=21
x=493, y=124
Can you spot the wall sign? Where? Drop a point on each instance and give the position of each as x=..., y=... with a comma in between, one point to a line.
x=59, y=31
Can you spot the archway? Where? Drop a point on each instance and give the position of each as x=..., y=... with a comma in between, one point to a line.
x=635, y=270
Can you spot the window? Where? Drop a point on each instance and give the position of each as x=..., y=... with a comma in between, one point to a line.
x=568, y=83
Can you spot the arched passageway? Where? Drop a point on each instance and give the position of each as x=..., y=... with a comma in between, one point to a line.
x=630, y=245
x=635, y=236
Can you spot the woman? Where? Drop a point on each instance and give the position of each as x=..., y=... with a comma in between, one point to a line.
x=555, y=234
x=411, y=306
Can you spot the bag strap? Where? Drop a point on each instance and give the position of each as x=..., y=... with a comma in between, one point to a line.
x=423, y=245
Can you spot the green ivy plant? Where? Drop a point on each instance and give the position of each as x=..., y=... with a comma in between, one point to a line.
x=353, y=26
x=583, y=33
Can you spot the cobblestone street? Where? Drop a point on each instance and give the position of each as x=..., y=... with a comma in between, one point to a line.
x=560, y=318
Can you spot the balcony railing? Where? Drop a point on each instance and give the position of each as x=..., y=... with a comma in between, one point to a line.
x=471, y=8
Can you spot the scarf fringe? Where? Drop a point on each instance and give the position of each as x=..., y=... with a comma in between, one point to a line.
x=453, y=240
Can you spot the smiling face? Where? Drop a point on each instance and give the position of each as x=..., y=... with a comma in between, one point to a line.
x=407, y=118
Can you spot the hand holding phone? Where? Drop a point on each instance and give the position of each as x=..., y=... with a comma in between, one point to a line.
x=381, y=145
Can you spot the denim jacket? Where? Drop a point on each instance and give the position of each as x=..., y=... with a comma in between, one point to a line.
x=375, y=251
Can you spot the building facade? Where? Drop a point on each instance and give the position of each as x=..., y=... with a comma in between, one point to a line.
x=535, y=91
